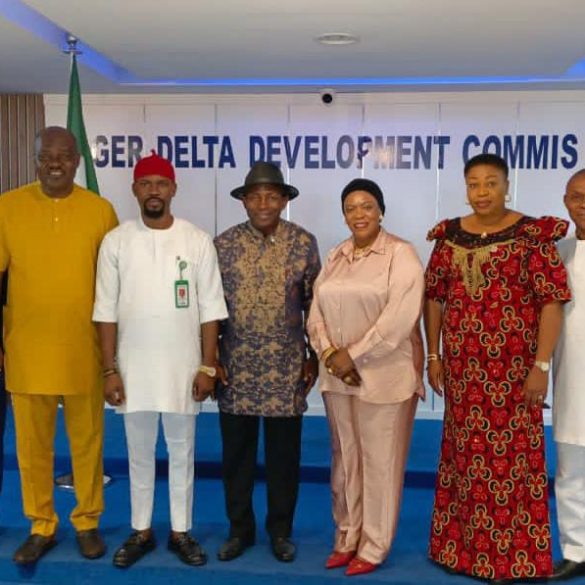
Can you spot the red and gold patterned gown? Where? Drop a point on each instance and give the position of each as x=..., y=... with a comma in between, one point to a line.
x=490, y=516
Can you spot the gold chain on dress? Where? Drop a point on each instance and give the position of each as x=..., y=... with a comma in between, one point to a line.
x=473, y=277
x=359, y=252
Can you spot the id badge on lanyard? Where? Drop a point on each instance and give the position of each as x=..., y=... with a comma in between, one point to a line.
x=181, y=287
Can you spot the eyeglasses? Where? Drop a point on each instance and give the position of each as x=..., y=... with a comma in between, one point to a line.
x=490, y=185
x=45, y=159
x=270, y=198
x=575, y=198
x=366, y=207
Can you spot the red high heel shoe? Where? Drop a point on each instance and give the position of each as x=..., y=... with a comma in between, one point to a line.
x=339, y=559
x=358, y=566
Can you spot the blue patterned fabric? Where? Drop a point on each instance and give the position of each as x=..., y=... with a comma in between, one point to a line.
x=268, y=285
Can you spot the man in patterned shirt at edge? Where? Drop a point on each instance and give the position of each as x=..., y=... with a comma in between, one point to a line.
x=268, y=267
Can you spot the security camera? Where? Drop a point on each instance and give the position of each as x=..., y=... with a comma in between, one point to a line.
x=327, y=96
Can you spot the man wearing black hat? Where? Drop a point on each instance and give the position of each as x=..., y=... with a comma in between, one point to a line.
x=268, y=267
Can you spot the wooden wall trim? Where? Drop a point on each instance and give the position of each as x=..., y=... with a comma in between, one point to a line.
x=21, y=117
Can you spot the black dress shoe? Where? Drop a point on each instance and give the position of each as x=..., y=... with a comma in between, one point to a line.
x=187, y=549
x=90, y=543
x=33, y=548
x=136, y=546
x=283, y=549
x=233, y=547
x=566, y=569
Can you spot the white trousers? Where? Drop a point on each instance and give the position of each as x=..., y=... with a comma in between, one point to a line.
x=369, y=444
x=570, y=494
x=141, y=435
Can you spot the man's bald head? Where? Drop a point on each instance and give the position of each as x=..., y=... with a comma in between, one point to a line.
x=575, y=201
x=579, y=175
x=57, y=159
x=50, y=132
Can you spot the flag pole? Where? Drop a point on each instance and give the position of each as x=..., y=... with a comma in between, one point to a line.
x=86, y=175
x=76, y=126
x=72, y=49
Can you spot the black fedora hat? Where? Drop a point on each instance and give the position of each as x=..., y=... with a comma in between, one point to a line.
x=263, y=173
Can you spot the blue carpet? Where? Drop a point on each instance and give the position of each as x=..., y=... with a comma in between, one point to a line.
x=421, y=468
x=407, y=563
x=313, y=532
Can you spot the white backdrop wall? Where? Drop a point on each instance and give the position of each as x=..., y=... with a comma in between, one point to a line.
x=413, y=145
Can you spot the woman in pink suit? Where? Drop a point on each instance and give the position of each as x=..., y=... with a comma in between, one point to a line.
x=364, y=325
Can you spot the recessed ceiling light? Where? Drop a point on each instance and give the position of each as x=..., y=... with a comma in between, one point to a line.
x=337, y=39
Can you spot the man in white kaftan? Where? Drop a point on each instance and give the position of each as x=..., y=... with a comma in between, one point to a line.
x=569, y=394
x=159, y=298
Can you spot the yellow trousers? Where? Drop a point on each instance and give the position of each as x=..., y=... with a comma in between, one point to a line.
x=35, y=418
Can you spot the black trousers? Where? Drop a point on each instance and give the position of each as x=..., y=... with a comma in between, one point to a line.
x=282, y=448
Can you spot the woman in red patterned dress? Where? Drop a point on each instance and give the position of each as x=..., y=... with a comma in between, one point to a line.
x=494, y=288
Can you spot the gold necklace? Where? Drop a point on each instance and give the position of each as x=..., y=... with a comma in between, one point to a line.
x=359, y=252
x=485, y=233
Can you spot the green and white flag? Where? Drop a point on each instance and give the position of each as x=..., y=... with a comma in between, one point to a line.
x=86, y=172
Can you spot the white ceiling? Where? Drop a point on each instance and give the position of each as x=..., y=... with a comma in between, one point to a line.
x=268, y=45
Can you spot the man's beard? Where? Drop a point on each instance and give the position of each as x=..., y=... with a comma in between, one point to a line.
x=153, y=213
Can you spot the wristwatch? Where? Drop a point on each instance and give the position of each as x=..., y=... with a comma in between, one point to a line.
x=208, y=370
x=542, y=366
